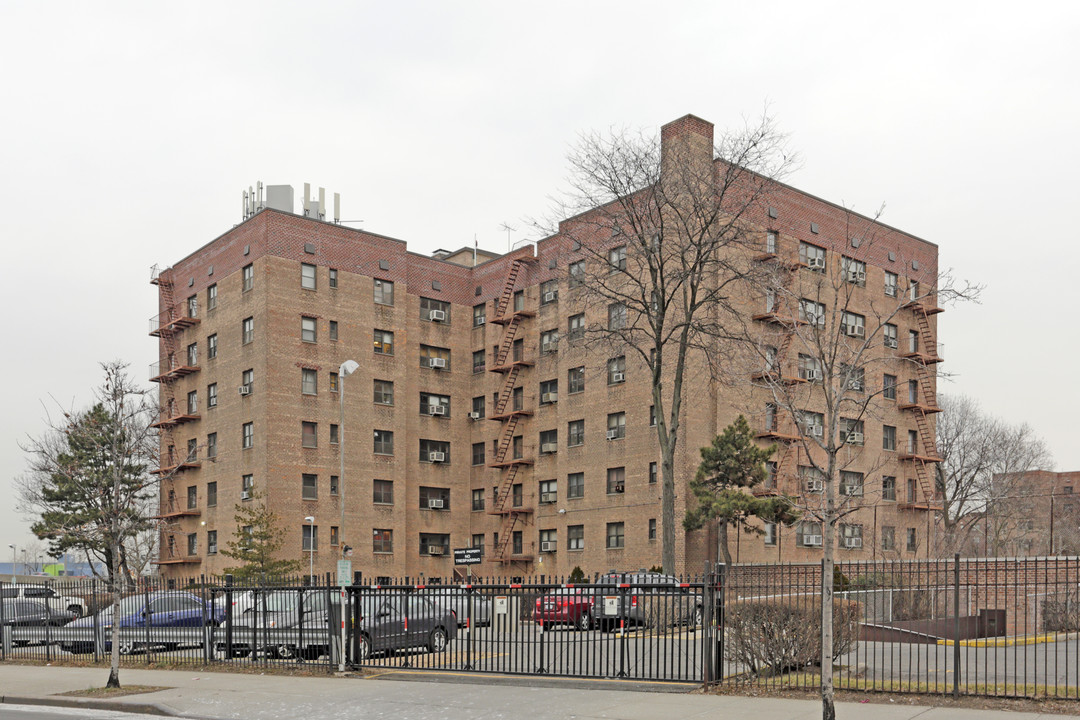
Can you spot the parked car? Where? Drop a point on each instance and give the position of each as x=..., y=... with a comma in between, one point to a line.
x=400, y=622
x=32, y=613
x=456, y=599
x=566, y=606
x=172, y=609
x=75, y=605
x=241, y=601
x=280, y=610
x=651, y=599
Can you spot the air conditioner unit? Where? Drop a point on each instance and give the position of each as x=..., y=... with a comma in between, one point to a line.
x=616, y=377
x=812, y=374
x=549, y=447
x=891, y=343
x=245, y=389
x=890, y=290
x=549, y=497
x=437, y=362
x=437, y=315
x=853, y=542
x=436, y=409
x=812, y=540
x=435, y=503
x=854, y=330
x=435, y=550
x=436, y=457
x=245, y=494
x=477, y=322
x=816, y=430
x=612, y=434
x=855, y=438
x=550, y=296
x=814, y=486
x=549, y=347
x=852, y=490
x=549, y=397
x=815, y=263
x=855, y=384
x=547, y=546
x=856, y=276
x=619, y=487
x=474, y=416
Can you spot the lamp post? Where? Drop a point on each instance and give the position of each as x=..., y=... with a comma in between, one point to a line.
x=12, y=563
x=311, y=549
x=347, y=368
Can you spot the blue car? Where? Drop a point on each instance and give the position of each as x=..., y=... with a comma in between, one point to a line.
x=153, y=610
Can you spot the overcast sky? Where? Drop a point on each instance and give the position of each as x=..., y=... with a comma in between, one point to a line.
x=129, y=131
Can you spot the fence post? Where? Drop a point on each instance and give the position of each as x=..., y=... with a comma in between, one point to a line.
x=708, y=603
x=721, y=612
x=229, y=616
x=956, y=626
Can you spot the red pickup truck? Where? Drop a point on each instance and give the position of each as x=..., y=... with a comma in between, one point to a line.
x=566, y=606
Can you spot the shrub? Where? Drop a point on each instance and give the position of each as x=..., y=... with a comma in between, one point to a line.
x=775, y=635
x=577, y=576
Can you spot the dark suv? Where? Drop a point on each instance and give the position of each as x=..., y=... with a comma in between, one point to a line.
x=644, y=599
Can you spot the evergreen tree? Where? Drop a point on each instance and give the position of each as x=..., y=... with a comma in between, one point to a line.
x=730, y=466
x=257, y=543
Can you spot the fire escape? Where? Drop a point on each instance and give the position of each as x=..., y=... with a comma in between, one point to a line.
x=921, y=400
x=509, y=457
x=176, y=362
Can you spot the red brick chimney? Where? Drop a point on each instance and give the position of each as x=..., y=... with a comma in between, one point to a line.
x=686, y=140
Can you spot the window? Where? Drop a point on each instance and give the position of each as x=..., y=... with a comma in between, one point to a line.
x=192, y=497
x=616, y=314
x=912, y=442
x=193, y=355
x=888, y=437
x=308, y=329
x=384, y=392
x=248, y=437
x=479, y=361
x=309, y=381
x=856, y=377
x=617, y=258
x=575, y=380
x=434, y=310
x=888, y=387
x=889, y=337
x=652, y=473
x=549, y=492
x=310, y=541
x=851, y=431
x=192, y=450
x=575, y=537
x=309, y=434
x=211, y=494
x=434, y=544
x=479, y=314
x=812, y=256
x=434, y=451
x=811, y=479
x=384, y=292
x=549, y=292
x=478, y=543
x=434, y=498
x=517, y=542
x=548, y=540
x=913, y=391
x=854, y=271
x=193, y=544
x=211, y=395
x=384, y=342
x=519, y=300
x=333, y=330
x=384, y=442
x=193, y=306
x=615, y=536
x=549, y=342
x=436, y=358
x=616, y=370
x=652, y=528
x=616, y=480
x=434, y=405
x=911, y=490
x=808, y=534
x=310, y=487
x=616, y=426
x=549, y=441
x=383, y=492
x=888, y=538
x=913, y=290
x=211, y=542
x=335, y=486
x=575, y=485
x=809, y=368
x=247, y=487
x=211, y=446
x=813, y=423
x=333, y=384
x=575, y=327
x=854, y=324
x=575, y=433
x=211, y=297
x=193, y=402
x=335, y=434
x=478, y=500
x=382, y=541
x=850, y=536
x=333, y=277
x=888, y=488
x=890, y=283
x=517, y=447
x=912, y=544
x=851, y=483
x=478, y=453
x=478, y=406
x=518, y=350
x=211, y=346
x=913, y=341
x=577, y=274
x=334, y=535
x=549, y=392
x=248, y=274
x=307, y=276
x=770, y=533
x=812, y=312
x=247, y=330
x=772, y=242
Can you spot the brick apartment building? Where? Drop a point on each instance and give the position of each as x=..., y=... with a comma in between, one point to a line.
x=469, y=422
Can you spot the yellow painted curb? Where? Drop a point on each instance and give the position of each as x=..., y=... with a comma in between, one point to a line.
x=1004, y=641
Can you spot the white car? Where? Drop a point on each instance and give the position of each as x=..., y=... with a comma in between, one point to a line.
x=55, y=600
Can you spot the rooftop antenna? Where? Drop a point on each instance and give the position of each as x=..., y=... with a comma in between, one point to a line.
x=475, y=246
x=508, y=229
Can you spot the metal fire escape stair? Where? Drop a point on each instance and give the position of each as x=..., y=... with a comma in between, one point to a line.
x=924, y=456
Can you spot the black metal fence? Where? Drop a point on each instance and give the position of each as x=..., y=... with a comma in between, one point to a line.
x=978, y=627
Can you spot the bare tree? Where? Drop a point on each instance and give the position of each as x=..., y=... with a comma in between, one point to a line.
x=822, y=351
x=89, y=481
x=660, y=226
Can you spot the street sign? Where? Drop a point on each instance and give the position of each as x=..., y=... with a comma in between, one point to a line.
x=467, y=556
x=344, y=572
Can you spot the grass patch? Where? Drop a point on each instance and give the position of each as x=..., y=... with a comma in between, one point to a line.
x=104, y=692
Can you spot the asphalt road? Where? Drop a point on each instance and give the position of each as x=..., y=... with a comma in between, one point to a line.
x=41, y=712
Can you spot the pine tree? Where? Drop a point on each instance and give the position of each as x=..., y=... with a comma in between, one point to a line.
x=730, y=466
x=257, y=543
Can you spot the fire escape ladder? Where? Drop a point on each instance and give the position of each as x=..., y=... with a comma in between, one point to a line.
x=167, y=347
x=508, y=289
x=506, y=439
x=508, y=341
x=507, y=390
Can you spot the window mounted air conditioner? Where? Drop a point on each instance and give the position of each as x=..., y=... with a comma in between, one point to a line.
x=547, y=546
x=816, y=430
x=855, y=438
x=435, y=550
x=245, y=389
x=854, y=330
x=436, y=457
x=812, y=374
x=612, y=434
x=548, y=347
x=891, y=343
x=619, y=487
x=549, y=497
x=436, y=409
x=245, y=494
x=855, y=384
x=437, y=362
x=550, y=296
x=890, y=290
x=816, y=263
x=549, y=397
x=856, y=276
x=474, y=416
x=814, y=486
x=437, y=315
x=853, y=542
x=549, y=447
x=812, y=540
x=435, y=503
x=852, y=490
x=617, y=377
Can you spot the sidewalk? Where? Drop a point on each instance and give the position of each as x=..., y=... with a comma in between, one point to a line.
x=428, y=696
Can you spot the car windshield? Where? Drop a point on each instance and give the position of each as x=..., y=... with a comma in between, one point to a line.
x=275, y=602
x=128, y=606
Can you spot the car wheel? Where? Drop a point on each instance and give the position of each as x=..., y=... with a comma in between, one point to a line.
x=285, y=652
x=585, y=622
x=75, y=610
x=127, y=647
x=364, y=652
x=699, y=616
x=437, y=641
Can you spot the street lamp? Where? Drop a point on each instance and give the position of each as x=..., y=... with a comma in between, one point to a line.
x=311, y=548
x=347, y=368
x=12, y=563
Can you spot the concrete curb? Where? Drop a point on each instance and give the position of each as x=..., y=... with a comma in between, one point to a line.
x=88, y=703
x=1037, y=639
